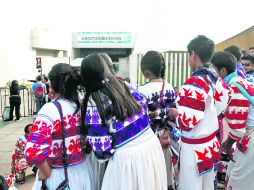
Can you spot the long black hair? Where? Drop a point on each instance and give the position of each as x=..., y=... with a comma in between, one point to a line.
x=65, y=80
x=99, y=82
x=154, y=63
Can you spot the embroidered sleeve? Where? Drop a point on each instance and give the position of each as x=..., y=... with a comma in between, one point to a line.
x=237, y=114
x=191, y=103
x=39, y=140
x=222, y=96
x=139, y=98
x=98, y=136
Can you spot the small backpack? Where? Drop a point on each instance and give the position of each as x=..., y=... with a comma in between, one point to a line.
x=3, y=183
x=39, y=91
x=6, y=113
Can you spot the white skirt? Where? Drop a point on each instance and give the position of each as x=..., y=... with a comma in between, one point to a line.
x=99, y=170
x=137, y=165
x=81, y=177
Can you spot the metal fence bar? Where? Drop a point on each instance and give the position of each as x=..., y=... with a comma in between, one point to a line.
x=185, y=65
x=27, y=104
x=189, y=70
x=175, y=69
x=170, y=68
x=180, y=72
x=1, y=101
x=24, y=108
x=166, y=63
x=139, y=70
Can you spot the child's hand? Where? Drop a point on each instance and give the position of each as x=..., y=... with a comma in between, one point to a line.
x=164, y=139
x=172, y=114
x=44, y=171
x=41, y=175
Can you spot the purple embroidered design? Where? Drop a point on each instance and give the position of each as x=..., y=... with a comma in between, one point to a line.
x=90, y=141
x=116, y=124
x=98, y=144
x=95, y=117
x=104, y=141
x=122, y=136
x=240, y=71
x=88, y=116
x=107, y=143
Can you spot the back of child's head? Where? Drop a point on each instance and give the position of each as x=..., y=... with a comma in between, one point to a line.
x=28, y=128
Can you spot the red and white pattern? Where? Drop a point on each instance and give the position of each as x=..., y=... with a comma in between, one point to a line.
x=10, y=180
x=45, y=140
x=19, y=163
x=240, y=119
x=194, y=99
x=237, y=114
x=200, y=102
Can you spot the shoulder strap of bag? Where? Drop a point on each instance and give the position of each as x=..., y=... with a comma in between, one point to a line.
x=64, y=154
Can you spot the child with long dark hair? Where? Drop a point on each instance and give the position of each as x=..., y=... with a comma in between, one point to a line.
x=118, y=130
x=55, y=143
x=160, y=97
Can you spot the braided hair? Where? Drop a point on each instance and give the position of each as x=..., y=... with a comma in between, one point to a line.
x=65, y=80
x=154, y=63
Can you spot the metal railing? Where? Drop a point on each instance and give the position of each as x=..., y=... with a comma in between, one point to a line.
x=27, y=106
x=177, y=69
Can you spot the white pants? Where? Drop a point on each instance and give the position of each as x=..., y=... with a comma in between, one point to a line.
x=189, y=178
x=240, y=174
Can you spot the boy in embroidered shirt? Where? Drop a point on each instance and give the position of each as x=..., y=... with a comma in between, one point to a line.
x=201, y=99
x=240, y=118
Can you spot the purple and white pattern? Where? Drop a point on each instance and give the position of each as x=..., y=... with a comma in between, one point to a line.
x=162, y=109
x=104, y=139
x=240, y=72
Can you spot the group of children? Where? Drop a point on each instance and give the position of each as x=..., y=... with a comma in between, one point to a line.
x=102, y=133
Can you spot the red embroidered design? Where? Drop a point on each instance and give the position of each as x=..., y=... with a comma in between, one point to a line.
x=200, y=96
x=32, y=151
x=202, y=156
x=192, y=103
x=185, y=119
x=242, y=84
x=58, y=149
x=72, y=120
x=187, y=92
x=57, y=125
x=35, y=126
x=242, y=145
x=233, y=115
x=194, y=121
x=74, y=146
x=198, y=82
x=217, y=95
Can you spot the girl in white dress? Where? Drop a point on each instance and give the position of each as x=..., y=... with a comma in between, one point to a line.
x=45, y=143
x=118, y=130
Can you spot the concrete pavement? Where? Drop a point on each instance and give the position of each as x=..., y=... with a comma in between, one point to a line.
x=9, y=133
